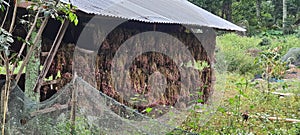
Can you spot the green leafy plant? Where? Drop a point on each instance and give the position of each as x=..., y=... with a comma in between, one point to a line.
x=5, y=41
x=198, y=65
x=195, y=119
x=271, y=65
x=232, y=51
x=57, y=10
x=3, y=4
x=82, y=127
x=69, y=10
x=148, y=109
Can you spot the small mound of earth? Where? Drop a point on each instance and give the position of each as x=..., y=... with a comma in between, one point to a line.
x=292, y=73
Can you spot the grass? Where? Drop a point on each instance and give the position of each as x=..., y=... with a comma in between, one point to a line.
x=228, y=117
x=240, y=52
x=3, y=71
x=244, y=96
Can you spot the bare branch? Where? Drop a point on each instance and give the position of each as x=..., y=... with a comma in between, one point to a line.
x=2, y=57
x=26, y=39
x=4, y=102
x=13, y=17
x=7, y=9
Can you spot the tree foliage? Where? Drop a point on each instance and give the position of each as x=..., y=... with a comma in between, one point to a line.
x=256, y=15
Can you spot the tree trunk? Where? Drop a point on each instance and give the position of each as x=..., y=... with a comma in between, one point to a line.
x=284, y=15
x=32, y=71
x=258, y=9
x=226, y=10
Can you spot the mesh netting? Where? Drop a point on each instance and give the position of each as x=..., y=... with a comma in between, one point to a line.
x=95, y=113
x=158, y=73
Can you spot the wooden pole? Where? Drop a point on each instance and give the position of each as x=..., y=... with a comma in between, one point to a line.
x=5, y=16
x=52, y=53
x=6, y=92
x=26, y=40
x=13, y=17
x=31, y=49
x=73, y=104
x=272, y=118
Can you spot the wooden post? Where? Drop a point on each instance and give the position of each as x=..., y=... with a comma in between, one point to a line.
x=73, y=104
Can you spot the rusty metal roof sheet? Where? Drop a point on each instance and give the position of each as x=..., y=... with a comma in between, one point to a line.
x=155, y=11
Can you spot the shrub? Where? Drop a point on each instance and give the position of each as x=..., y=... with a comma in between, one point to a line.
x=233, y=49
x=239, y=53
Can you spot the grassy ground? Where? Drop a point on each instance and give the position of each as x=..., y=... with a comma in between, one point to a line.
x=243, y=96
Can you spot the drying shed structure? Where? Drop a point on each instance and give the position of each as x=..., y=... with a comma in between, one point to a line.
x=106, y=25
x=123, y=56
x=153, y=66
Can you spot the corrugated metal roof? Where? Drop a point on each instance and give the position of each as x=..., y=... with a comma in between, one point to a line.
x=155, y=11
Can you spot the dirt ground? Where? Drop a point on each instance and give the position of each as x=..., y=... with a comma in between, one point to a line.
x=293, y=73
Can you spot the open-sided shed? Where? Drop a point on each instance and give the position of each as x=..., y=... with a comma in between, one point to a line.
x=142, y=53
x=106, y=25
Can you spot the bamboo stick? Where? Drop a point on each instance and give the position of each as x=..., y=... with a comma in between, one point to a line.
x=6, y=92
x=13, y=17
x=282, y=119
x=73, y=104
x=283, y=94
x=5, y=16
x=26, y=39
x=272, y=118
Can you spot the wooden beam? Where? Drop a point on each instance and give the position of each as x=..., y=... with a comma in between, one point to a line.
x=44, y=54
x=85, y=50
x=25, y=4
x=50, y=109
x=51, y=82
